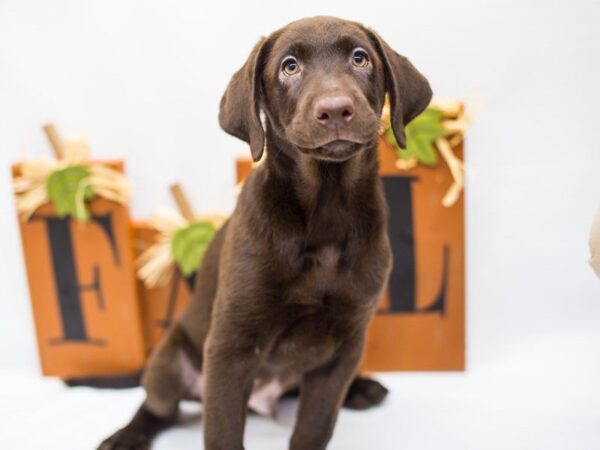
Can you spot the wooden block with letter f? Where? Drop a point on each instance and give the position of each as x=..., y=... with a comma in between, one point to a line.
x=77, y=246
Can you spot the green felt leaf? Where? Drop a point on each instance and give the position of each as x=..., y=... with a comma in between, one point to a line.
x=424, y=150
x=421, y=134
x=189, y=244
x=68, y=191
x=429, y=122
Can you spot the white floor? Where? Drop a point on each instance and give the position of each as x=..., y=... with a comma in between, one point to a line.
x=543, y=395
x=141, y=87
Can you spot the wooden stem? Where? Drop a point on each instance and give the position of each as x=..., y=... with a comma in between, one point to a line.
x=55, y=141
x=182, y=202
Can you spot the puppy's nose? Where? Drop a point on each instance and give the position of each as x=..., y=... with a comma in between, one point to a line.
x=334, y=111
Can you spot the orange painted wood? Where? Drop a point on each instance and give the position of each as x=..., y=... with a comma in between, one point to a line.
x=114, y=341
x=161, y=304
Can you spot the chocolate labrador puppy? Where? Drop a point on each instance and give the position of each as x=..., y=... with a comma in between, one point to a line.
x=289, y=284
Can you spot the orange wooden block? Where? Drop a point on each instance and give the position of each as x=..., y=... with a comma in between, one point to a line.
x=163, y=303
x=421, y=321
x=83, y=294
x=243, y=167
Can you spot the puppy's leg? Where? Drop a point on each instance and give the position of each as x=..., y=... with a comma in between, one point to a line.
x=365, y=393
x=138, y=434
x=231, y=362
x=169, y=376
x=321, y=395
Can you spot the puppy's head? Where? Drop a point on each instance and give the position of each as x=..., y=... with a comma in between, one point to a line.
x=321, y=83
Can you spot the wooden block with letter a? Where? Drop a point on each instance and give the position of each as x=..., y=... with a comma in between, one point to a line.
x=161, y=304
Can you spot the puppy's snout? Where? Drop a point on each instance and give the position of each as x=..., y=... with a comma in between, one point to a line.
x=334, y=111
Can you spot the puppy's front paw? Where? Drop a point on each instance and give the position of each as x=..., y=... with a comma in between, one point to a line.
x=365, y=393
x=140, y=431
x=126, y=439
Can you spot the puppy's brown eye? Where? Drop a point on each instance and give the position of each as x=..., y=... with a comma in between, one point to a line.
x=360, y=58
x=290, y=66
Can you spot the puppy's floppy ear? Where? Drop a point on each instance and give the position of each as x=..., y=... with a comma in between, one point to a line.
x=408, y=90
x=239, y=113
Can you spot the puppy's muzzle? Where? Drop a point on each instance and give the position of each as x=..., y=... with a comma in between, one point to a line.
x=333, y=126
x=334, y=113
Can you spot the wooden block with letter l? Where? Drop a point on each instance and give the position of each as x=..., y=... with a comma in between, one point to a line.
x=420, y=324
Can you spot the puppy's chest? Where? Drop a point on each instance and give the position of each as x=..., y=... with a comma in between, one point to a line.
x=325, y=262
x=323, y=252
x=321, y=261
x=320, y=272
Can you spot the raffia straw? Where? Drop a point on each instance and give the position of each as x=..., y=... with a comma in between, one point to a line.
x=28, y=202
x=456, y=120
x=457, y=169
x=406, y=164
x=30, y=186
x=156, y=265
x=450, y=108
x=459, y=125
x=456, y=140
x=110, y=183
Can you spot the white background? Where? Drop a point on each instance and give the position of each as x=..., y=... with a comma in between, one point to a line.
x=143, y=81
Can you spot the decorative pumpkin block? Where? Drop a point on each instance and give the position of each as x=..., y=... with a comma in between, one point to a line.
x=77, y=246
x=161, y=302
x=82, y=285
x=420, y=323
x=170, y=249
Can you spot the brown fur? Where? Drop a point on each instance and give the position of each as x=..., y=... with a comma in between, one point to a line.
x=290, y=283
